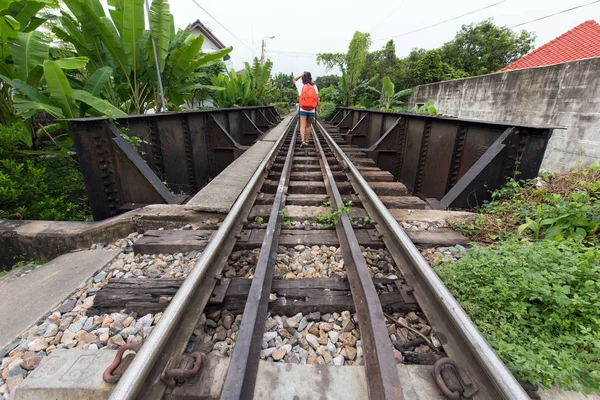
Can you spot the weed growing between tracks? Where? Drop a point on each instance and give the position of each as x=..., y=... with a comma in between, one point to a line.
x=531, y=282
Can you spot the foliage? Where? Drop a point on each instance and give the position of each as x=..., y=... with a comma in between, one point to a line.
x=205, y=91
x=121, y=42
x=283, y=81
x=430, y=68
x=484, y=47
x=538, y=304
x=332, y=217
x=389, y=96
x=351, y=64
x=282, y=108
x=562, y=207
x=327, y=110
x=427, y=109
x=248, y=89
x=18, y=20
x=277, y=95
x=285, y=219
x=326, y=81
x=38, y=187
x=330, y=94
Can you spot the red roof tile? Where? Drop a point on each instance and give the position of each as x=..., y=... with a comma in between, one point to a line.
x=581, y=42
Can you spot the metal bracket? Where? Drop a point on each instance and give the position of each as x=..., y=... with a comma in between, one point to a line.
x=182, y=369
x=374, y=234
x=244, y=235
x=406, y=292
x=220, y=290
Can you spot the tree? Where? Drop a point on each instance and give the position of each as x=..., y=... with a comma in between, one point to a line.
x=284, y=81
x=325, y=81
x=430, y=68
x=351, y=64
x=484, y=47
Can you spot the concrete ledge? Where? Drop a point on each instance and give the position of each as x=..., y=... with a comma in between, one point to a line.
x=26, y=299
x=45, y=240
x=77, y=374
x=220, y=194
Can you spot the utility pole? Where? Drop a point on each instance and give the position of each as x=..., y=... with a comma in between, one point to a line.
x=160, y=86
x=264, y=48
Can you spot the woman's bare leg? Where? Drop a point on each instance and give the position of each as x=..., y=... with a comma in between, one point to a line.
x=308, y=127
x=302, y=128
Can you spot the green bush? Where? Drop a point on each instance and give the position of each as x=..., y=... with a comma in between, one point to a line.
x=327, y=110
x=563, y=206
x=282, y=107
x=36, y=186
x=538, y=304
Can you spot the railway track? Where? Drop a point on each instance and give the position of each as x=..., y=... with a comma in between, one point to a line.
x=340, y=187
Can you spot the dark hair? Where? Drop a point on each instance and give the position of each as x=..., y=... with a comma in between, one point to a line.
x=307, y=78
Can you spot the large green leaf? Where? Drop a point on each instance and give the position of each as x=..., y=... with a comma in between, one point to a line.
x=72, y=62
x=25, y=89
x=9, y=28
x=131, y=13
x=133, y=31
x=388, y=86
x=4, y=4
x=116, y=12
x=96, y=26
x=208, y=58
x=98, y=104
x=98, y=80
x=28, y=108
x=161, y=21
x=28, y=9
x=29, y=50
x=60, y=89
x=181, y=58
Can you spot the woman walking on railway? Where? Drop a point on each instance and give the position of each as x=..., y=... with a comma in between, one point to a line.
x=309, y=102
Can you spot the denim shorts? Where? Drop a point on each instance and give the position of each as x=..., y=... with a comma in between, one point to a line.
x=307, y=114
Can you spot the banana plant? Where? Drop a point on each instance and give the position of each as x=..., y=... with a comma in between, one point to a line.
x=237, y=90
x=120, y=41
x=18, y=21
x=389, y=97
x=248, y=89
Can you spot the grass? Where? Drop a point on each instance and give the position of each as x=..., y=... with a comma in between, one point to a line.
x=531, y=281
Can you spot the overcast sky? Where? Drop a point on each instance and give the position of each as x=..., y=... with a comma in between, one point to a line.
x=307, y=27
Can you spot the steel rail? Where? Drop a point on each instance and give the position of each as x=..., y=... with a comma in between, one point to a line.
x=383, y=381
x=241, y=375
x=463, y=340
x=136, y=374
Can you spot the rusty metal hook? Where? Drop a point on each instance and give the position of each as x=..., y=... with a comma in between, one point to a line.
x=462, y=384
x=111, y=374
x=172, y=376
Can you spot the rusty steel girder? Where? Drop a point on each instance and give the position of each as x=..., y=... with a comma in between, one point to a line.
x=453, y=162
x=177, y=154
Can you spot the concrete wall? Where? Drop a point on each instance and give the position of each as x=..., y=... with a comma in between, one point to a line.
x=566, y=95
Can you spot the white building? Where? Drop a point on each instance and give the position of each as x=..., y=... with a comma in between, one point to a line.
x=211, y=42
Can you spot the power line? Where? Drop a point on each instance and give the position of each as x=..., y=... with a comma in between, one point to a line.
x=448, y=20
x=222, y=26
x=292, y=54
x=556, y=13
x=387, y=16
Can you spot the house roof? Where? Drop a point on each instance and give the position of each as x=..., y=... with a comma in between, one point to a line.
x=209, y=35
x=581, y=42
